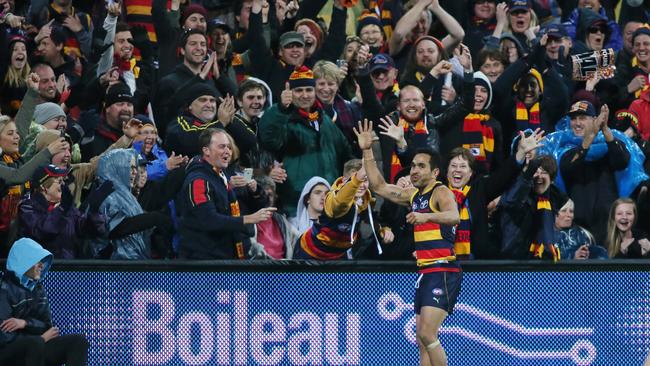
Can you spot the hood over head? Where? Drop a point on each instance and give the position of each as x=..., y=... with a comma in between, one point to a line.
x=24, y=254
x=302, y=221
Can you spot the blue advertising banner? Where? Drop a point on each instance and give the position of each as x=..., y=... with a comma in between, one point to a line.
x=208, y=318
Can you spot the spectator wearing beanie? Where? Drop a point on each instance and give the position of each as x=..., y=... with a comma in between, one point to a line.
x=47, y=116
x=119, y=46
x=50, y=216
x=319, y=46
x=118, y=110
x=300, y=131
x=170, y=26
x=391, y=12
x=194, y=69
x=529, y=107
x=81, y=174
x=199, y=113
x=370, y=30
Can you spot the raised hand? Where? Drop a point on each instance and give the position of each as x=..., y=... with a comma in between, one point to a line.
x=33, y=81
x=73, y=23
x=361, y=174
x=363, y=55
x=58, y=145
x=601, y=120
x=114, y=9
x=286, y=98
x=528, y=144
x=365, y=135
x=502, y=13
x=131, y=128
x=592, y=82
x=464, y=57
x=226, y=110
x=278, y=174
x=174, y=161
x=395, y=132
x=207, y=67
x=443, y=67
x=448, y=94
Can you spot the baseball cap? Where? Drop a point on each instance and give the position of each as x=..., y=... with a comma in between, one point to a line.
x=381, y=61
x=519, y=5
x=582, y=107
x=291, y=37
x=555, y=31
x=48, y=171
x=218, y=23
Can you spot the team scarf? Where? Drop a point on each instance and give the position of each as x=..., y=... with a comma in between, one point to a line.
x=394, y=90
x=526, y=118
x=478, y=137
x=462, y=245
x=312, y=116
x=543, y=246
x=489, y=24
x=417, y=138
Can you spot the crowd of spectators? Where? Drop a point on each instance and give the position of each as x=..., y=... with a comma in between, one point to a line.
x=224, y=129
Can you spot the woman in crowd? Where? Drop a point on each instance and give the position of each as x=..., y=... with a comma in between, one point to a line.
x=624, y=240
x=574, y=241
x=14, y=174
x=13, y=80
x=50, y=216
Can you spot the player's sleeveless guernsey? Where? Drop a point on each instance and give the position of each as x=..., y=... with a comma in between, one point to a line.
x=434, y=243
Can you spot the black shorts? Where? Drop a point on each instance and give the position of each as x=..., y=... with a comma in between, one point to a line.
x=437, y=289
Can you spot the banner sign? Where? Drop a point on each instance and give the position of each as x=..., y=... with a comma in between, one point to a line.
x=207, y=318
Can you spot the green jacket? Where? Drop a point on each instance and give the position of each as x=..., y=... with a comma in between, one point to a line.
x=304, y=151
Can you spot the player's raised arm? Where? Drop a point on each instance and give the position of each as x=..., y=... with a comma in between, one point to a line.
x=375, y=179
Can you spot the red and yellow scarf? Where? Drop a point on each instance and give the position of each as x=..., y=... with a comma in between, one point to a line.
x=478, y=137
x=419, y=137
x=462, y=245
x=527, y=118
x=543, y=246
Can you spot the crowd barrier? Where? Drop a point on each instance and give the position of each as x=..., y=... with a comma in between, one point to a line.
x=350, y=313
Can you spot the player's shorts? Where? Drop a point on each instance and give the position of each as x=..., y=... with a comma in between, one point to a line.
x=437, y=289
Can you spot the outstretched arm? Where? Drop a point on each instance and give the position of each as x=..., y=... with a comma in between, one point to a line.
x=376, y=181
x=456, y=32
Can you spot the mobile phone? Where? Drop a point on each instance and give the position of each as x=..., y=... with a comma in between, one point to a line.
x=248, y=174
x=341, y=62
x=62, y=133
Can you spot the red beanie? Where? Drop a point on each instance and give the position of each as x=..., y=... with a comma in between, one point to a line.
x=193, y=9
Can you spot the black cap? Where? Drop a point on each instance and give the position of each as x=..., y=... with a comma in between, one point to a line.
x=218, y=23
x=118, y=93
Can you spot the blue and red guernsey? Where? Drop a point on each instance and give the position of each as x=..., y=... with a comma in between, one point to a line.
x=434, y=243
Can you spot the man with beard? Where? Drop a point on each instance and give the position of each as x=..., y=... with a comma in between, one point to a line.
x=434, y=215
x=411, y=126
x=118, y=110
x=303, y=136
x=530, y=107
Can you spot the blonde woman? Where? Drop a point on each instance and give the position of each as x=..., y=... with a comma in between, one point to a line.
x=13, y=80
x=623, y=239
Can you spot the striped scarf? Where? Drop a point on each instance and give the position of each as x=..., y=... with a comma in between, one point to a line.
x=416, y=138
x=478, y=138
x=462, y=245
x=526, y=118
x=543, y=246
